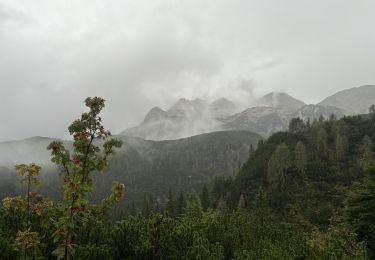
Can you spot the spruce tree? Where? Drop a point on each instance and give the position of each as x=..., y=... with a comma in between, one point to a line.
x=360, y=208
x=205, y=197
x=194, y=206
x=180, y=204
x=241, y=203
x=341, y=144
x=322, y=143
x=367, y=148
x=170, y=207
x=300, y=158
x=277, y=165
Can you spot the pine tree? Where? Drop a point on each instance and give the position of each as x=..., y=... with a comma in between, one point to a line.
x=222, y=205
x=360, y=208
x=297, y=125
x=251, y=150
x=367, y=148
x=341, y=144
x=261, y=209
x=180, y=204
x=300, y=157
x=170, y=207
x=322, y=143
x=241, y=203
x=146, y=208
x=277, y=165
x=194, y=206
x=205, y=197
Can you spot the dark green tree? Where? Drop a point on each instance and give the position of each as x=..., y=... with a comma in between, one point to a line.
x=205, y=197
x=341, y=144
x=194, y=206
x=180, y=206
x=300, y=158
x=170, y=207
x=322, y=143
x=367, y=148
x=296, y=125
x=360, y=208
x=279, y=162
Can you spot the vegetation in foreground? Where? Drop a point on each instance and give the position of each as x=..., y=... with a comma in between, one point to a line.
x=305, y=194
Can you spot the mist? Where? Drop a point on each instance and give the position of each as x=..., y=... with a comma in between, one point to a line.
x=145, y=54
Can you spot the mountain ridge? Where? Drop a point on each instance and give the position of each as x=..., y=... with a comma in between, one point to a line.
x=269, y=114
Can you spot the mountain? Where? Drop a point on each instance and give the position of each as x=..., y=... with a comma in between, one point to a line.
x=281, y=101
x=313, y=112
x=150, y=167
x=7, y=182
x=25, y=151
x=353, y=100
x=222, y=108
x=183, y=119
x=193, y=117
x=271, y=113
x=261, y=120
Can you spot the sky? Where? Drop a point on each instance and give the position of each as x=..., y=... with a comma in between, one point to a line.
x=140, y=54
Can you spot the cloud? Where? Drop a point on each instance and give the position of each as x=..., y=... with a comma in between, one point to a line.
x=140, y=54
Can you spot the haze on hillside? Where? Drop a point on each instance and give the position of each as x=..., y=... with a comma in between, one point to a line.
x=144, y=54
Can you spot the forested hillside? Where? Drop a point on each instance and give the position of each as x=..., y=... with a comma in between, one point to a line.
x=308, y=193
x=149, y=168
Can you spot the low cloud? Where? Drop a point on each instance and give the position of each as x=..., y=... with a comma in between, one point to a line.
x=143, y=54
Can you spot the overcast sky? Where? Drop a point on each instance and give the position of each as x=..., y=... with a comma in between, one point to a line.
x=139, y=54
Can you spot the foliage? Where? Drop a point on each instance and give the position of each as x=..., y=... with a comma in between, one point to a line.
x=303, y=194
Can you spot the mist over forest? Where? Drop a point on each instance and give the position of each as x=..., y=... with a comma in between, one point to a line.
x=187, y=129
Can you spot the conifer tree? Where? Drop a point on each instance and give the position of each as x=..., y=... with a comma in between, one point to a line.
x=170, y=207
x=297, y=125
x=341, y=144
x=300, y=157
x=367, y=148
x=322, y=143
x=222, y=205
x=277, y=165
x=360, y=208
x=261, y=207
x=180, y=204
x=194, y=206
x=241, y=203
x=205, y=197
x=251, y=150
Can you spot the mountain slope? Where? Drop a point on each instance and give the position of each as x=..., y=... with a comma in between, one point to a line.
x=281, y=101
x=25, y=151
x=261, y=120
x=183, y=119
x=151, y=167
x=353, y=100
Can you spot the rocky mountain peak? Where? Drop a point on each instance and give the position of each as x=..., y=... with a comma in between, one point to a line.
x=281, y=100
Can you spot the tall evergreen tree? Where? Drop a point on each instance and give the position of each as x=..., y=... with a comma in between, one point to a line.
x=341, y=144
x=205, y=197
x=360, y=208
x=300, y=158
x=367, y=148
x=170, y=207
x=241, y=203
x=322, y=143
x=194, y=206
x=277, y=165
x=180, y=204
x=297, y=125
x=251, y=150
